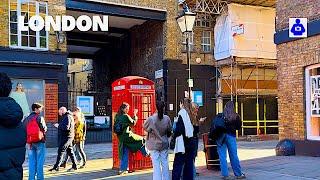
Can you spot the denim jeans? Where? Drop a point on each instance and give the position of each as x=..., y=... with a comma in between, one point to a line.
x=160, y=165
x=183, y=164
x=230, y=144
x=37, y=153
x=124, y=161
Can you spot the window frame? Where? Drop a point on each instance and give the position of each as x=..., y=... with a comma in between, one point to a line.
x=19, y=34
x=203, y=38
x=307, y=88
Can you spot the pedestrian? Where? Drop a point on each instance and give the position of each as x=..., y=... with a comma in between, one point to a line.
x=159, y=130
x=128, y=140
x=13, y=134
x=196, y=122
x=80, y=128
x=66, y=130
x=185, y=144
x=228, y=141
x=36, y=128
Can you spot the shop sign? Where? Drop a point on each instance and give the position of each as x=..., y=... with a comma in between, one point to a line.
x=140, y=87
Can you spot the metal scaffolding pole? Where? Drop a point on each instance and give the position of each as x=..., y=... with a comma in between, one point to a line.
x=257, y=96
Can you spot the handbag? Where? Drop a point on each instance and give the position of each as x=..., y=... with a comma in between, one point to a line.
x=172, y=142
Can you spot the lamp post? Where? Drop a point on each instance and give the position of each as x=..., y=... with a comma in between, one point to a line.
x=186, y=21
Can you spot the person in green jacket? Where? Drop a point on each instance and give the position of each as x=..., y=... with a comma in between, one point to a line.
x=128, y=140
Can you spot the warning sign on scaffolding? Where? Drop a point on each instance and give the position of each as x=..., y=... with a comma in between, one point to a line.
x=315, y=95
x=237, y=29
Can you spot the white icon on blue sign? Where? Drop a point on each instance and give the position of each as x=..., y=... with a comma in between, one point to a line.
x=298, y=27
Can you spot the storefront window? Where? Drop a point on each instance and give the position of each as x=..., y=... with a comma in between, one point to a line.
x=26, y=92
x=313, y=102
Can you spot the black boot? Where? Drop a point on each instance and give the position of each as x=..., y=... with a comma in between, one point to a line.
x=54, y=169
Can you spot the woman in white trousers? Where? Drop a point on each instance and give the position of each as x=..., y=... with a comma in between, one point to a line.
x=159, y=130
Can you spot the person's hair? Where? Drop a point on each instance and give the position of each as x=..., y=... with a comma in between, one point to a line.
x=194, y=113
x=35, y=106
x=187, y=104
x=5, y=85
x=123, y=106
x=18, y=85
x=160, y=108
x=229, y=111
x=78, y=109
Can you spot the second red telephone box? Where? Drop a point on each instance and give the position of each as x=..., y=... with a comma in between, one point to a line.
x=139, y=93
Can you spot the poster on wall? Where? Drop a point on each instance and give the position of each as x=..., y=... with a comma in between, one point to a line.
x=26, y=92
x=315, y=96
x=86, y=105
x=197, y=97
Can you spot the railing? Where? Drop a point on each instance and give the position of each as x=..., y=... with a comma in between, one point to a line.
x=258, y=125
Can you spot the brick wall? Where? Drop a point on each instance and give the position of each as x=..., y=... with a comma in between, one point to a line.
x=4, y=22
x=158, y=4
x=147, y=49
x=207, y=58
x=55, y=7
x=295, y=8
x=293, y=57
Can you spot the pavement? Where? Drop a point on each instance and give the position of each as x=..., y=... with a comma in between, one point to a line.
x=258, y=162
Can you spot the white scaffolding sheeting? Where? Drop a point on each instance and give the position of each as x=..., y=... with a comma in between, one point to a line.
x=256, y=39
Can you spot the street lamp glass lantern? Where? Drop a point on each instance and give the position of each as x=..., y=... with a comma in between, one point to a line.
x=60, y=37
x=186, y=21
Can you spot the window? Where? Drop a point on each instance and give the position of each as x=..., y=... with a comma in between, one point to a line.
x=184, y=42
x=312, y=74
x=26, y=92
x=203, y=22
x=27, y=39
x=206, y=41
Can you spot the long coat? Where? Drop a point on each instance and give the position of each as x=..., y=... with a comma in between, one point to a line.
x=128, y=138
x=13, y=139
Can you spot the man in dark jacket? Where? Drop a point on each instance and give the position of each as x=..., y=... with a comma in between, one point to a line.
x=12, y=133
x=66, y=131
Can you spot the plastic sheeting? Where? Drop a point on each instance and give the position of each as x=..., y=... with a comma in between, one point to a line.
x=257, y=39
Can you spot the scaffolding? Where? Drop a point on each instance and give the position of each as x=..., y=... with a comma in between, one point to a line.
x=236, y=82
x=234, y=78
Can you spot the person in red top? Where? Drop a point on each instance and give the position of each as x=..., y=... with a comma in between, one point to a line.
x=36, y=150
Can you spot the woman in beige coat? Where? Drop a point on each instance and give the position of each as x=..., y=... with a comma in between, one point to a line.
x=159, y=130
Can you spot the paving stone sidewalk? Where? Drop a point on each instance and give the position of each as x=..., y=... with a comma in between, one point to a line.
x=258, y=161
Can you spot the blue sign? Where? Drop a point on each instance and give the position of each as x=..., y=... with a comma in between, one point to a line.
x=298, y=27
x=198, y=98
x=86, y=105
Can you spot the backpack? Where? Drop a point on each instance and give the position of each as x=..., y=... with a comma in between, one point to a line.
x=34, y=133
x=117, y=127
x=218, y=127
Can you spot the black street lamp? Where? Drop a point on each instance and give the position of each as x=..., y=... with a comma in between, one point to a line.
x=186, y=22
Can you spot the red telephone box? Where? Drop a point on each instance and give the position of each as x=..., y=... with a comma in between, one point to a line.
x=139, y=93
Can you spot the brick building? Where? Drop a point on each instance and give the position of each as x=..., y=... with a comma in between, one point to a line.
x=298, y=76
x=34, y=59
x=143, y=37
